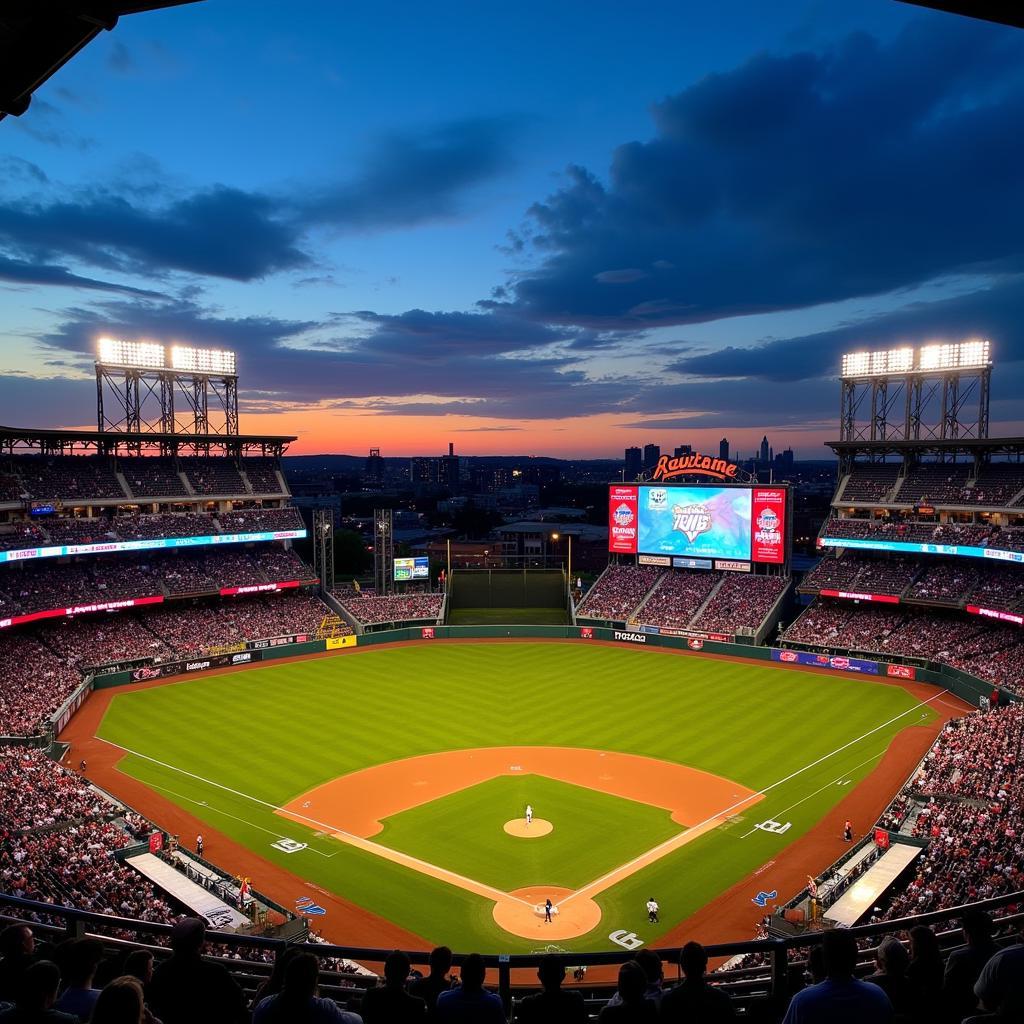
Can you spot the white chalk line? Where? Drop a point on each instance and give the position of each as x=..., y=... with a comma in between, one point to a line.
x=660, y=849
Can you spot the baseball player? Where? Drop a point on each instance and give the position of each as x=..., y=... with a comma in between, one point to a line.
x=547, y=910
x=529, y=814
x=652, y=911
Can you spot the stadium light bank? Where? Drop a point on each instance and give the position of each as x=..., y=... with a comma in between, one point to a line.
x=935, y=358
x=148, y=355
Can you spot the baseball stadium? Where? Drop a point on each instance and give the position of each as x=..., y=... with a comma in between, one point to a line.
x=707, y=754
x=499, y=760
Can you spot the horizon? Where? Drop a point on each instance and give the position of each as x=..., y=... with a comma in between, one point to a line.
x=445, y=234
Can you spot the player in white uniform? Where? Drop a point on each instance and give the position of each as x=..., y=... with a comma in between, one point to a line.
x=529, y=814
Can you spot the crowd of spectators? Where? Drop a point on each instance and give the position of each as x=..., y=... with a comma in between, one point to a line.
x=990, y=650
x=863, y=575
x=962, y=534
x=152, y=477
x=997, y=483
x=34, y=682
x=212, y=475
x=68, y=477
x=741, y=602
x=21, y=535
x=373, y=610
x=871, y=482
x=677, y=597
x=940, y=483
x=618, y=592
x=154, y=525
x=39, y=793
x=262, y=474
x=943, y=581
x=90, y=640
x=256, y=520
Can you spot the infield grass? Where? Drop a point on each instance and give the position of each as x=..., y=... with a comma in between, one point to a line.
x=593, y=832
x=231, y=748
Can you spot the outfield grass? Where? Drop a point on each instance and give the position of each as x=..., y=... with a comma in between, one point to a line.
x=271, y=733
x=508, y=617
x=594, y=832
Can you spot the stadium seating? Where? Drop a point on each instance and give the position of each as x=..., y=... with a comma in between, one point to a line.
x=212, y=476
x=152, y=477
x=68, y=477
x=262, y=474
x=870, y=482
x=941, y=483
x=741, y=602
x=371, y=610
x=677, y=597
x=618, y=592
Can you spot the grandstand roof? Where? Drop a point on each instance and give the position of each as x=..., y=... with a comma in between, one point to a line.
x=13, y=438
x=972, y=445
x=38, y=37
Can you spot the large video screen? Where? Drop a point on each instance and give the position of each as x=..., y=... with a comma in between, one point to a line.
x=742, y=524
x=412, y=568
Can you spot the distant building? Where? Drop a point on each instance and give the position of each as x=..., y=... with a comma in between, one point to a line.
x=683, y=449
x=723, y=449
x=634, y=463
x=764, y=450
x=448, y=469
x=423, y=470
x=652, y=452
x=373, y=469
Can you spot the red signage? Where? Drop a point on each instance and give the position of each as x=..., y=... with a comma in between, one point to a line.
x=768, y=525
x=80, y=609
x=694, y=465
x=992, y=613
x=427, y=633
x=586, y=633
x=901, y=671
x=156, y=842
x=881, y=839
x=849, y=595
x=258, y=588
x=623, y=503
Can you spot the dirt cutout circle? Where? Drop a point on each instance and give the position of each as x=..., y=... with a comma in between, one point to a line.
x=537, y=828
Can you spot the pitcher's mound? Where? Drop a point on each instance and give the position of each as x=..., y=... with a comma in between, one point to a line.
x=537, y=828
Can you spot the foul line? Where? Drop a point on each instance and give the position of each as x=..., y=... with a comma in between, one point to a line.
x=384, y=852
x=600, y=884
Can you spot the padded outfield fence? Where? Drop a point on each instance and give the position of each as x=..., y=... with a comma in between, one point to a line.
x=507, y=588
x=760, y=992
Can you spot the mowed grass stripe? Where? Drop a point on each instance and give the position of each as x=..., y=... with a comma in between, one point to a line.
x=276, y=731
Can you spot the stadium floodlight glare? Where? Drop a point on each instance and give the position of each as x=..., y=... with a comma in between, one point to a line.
x=973, y=354
x=145, y=355
x=203, y=360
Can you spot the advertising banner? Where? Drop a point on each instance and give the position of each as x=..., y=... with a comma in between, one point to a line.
x=336, y=643
x=691, y=563
x=727, y=565
x=963, y=550
x=768, y=523
x=586, y=632
x=427, y=633
x=279, y=641
x=848, y=595
x=630, y=638
x=994, y=613
x=197, y=664
x=837, y=661
x=81, y=609
x=901, y=671
x=622, y=519
x=150, y=544
x=258, y=588
x=656, y=560
x=695, y=522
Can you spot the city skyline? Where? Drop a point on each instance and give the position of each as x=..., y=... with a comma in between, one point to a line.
x=506, y=229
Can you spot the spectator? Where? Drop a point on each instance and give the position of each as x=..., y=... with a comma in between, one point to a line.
x=120, y=1002
x=893, y=960
x=924, y=972
x=392, y=1004
x=188, y=990
x=436, y=982
x=650, y=963
x=1000, y=987
x=36, y=996
x=840, y=998
x=298, y=1003
x=695, y=1000
x=80, y=958
x=633, y=1007
x=553, y=1005
x=275, y=982
x=471, y=1002
x=964, y=966
x=17, y=946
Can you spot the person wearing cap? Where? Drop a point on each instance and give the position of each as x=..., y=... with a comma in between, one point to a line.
x=186, y=989
x=1000, y=987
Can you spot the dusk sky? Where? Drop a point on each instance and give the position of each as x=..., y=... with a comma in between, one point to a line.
x=556, y=228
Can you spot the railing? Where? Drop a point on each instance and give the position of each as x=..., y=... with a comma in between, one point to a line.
x=763, y=986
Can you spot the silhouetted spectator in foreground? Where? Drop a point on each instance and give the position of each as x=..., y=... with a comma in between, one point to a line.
x=298, y=1003
x=17, y=946
x=471, y=1002
x=633, y=1007
x=924, y=972
x=554, y=1005
x=1000, y=987
x=121, y=1002
x=963, y=966
x=392, y=1004
x=79, y=959
x=695, y=1000
x=38, y=993
x=275, y=982
x=436, y=982
x=188, y=990
x=840, y=998
x=891, y=977
x=650, y=964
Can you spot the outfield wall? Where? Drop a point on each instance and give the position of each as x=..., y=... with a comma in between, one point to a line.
x=962, y=685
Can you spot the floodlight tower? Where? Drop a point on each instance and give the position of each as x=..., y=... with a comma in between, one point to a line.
x=383, y=549
x=935, y=392
x=139, y=384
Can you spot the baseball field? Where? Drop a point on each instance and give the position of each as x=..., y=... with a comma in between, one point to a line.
x=397, y=778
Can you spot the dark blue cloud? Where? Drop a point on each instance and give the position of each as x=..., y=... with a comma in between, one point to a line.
x=25, y=273
x=796, y=180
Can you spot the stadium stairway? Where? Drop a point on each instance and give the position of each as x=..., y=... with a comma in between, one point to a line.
x=707, y=600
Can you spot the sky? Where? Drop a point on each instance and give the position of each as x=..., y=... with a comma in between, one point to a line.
x=550, y=229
